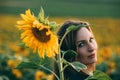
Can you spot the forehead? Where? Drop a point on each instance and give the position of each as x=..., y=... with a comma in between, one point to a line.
x=83, y=33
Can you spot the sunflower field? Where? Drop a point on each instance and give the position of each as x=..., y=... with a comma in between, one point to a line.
x=12, y=51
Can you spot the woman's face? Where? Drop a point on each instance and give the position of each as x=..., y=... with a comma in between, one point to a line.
x=86, y=47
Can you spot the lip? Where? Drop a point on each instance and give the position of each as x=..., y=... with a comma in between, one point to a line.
x=92, y=56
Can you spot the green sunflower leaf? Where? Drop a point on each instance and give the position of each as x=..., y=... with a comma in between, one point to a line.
x=53, y=25
x=41, y=15
x=71, y=28
x=78, y=66
x=69, y=54
x=46, y=21
x=98, y=75
x=27, y=65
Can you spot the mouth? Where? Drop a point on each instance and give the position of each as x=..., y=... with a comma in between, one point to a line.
x=92, y=55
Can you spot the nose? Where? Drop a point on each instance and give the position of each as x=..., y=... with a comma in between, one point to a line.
x=90, y=47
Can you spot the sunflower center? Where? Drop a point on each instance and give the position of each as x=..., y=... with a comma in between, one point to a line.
x=41, y=34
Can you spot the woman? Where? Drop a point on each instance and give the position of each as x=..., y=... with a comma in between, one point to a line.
x=83, y=42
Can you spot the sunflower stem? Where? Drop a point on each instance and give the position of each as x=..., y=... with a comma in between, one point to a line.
x=60, y=66
x=63, y=37
x=60, y=62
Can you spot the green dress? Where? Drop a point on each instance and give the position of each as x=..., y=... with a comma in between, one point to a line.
x=97, y=75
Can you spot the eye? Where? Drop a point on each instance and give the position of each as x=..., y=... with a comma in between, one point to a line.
x=91, y=39
x=81, y=44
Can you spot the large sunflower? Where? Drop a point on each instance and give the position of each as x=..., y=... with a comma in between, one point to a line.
x=37, y=35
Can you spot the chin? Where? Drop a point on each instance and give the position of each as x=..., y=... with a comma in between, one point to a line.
x=92, y=61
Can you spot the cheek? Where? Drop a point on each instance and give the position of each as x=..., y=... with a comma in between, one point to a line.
x=82, y=56
x=96, y=46
x=95, y=49
x=82, y=52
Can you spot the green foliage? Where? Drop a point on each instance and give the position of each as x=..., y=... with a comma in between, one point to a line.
x=5, y=70
x=41, y=17
x=69, y=54
x=33, y=61
x=98, y=75
x=72, y=28
x=27, y=65
x=102, y=66
x=78, y=66
x=53, y=26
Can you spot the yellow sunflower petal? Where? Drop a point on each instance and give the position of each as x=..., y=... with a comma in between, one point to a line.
x=25, y=41
x=28, y=13
x=48, y=33
x=21, y=22
x=32, y=44
x=41, y=52
x=49, y=52
x=24, y=27
x=24, y=17
x=27, y=32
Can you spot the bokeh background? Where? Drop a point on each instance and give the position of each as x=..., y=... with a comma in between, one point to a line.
x=103, y=15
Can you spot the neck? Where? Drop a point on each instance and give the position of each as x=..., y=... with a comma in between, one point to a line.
x=91, y=67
